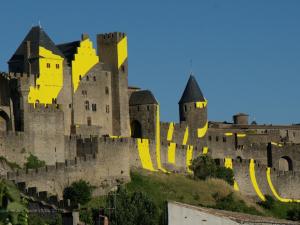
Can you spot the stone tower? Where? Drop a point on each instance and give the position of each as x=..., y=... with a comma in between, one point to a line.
x=112, y=50
x=193, y=111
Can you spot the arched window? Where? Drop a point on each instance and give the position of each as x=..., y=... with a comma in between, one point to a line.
x=87, y=105
x=285, y=163
x=136, y=129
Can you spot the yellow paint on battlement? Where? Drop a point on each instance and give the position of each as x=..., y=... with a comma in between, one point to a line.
x=202, y=131
x=205, y=150
x=170, y=132
x=122, y=51
x=84, y=60
x=241, y=135
x=144, y=154
x=228, y=134
x=276, y=144
x=171, y=152
x=201, y=105
x=185, y=136
x=50, y=80
x=189, y=158
x=277, y=196
x=253, y=180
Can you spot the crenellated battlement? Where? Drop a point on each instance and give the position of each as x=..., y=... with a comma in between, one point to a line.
x=111, y=37
x=37, y=107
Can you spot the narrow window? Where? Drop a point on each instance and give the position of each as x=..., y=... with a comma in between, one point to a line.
x=79, y=77
x=48, y=65
x=148, y=108
x=123, y=68
x=106, y=90
x=107, y=108
x=94, y=107
x=57, y=66
x=89, y=121
x=87, y=78
x=217, y=138
x=185, y=108
x=87, y=105
x=209, y=138
x=94, y=78
x=224, y=139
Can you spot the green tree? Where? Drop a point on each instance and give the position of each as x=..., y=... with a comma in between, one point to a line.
x=204, y=167
x=294, y=213
x=131, y=208
x=79, y=192
x=33, y=162
x=225, y=174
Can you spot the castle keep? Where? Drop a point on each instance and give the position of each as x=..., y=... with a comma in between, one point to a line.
x=70, y=105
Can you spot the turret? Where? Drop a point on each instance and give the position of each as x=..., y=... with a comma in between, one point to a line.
x=193, y=111
x=112, y=50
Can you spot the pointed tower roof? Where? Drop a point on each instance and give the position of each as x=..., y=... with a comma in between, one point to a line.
x=38, y=38
x=192, y=92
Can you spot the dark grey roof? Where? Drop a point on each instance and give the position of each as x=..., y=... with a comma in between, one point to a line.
x=37, y=37
x=192, y=92
x=142, y=98
x=69, y=50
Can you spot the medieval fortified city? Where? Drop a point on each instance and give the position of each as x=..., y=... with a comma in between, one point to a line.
x=68, y=116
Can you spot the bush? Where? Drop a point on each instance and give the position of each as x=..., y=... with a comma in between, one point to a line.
x=79, y=192
x=33, y=162
x=225, y=174
x=269, y=203
x=131, y=208
x=205, y=167
x=294, y=213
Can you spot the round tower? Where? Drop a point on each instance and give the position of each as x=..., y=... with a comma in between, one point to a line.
x=193, y=110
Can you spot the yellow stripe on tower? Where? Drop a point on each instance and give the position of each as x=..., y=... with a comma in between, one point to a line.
x=122, y=51
x=185, y=136
x=50, y=81
x=171, y=152
x=201, y=105
x=144, y=154
x=202, y=131
x=170, y=132
x=84, y=60
x=279, y=198
x=189, y=157
x=253, y=180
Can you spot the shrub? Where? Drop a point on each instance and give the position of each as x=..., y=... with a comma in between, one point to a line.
x=131, y=208
x=225, y=174
x=294, y=213
x=269, y=203
x=33, y=162
x=205, y=167
x=79, y=192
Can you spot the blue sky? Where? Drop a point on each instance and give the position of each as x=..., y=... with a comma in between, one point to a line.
x=245, y=53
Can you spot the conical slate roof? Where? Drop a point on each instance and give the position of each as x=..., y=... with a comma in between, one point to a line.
x=192, y=92
x=38, y=38
x=69, y=50
x=142, y=98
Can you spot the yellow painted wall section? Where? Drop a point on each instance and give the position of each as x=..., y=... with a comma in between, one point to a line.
x=158, y=159
x=241, y=135
x=254, y=182
x=189, y=157
x=201, y=105
x=50, y=80
x=84, y=60
x=276, y=144
x=228, y=164
x=171, y=152
x=228, y=134
x=122, y=51
x=202, y=131
x=170, y=132
x=277, y=196
x=144, y=154
x=205, y=150
x=185, y=136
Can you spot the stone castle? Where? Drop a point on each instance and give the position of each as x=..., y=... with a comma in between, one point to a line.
x=70, y=105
